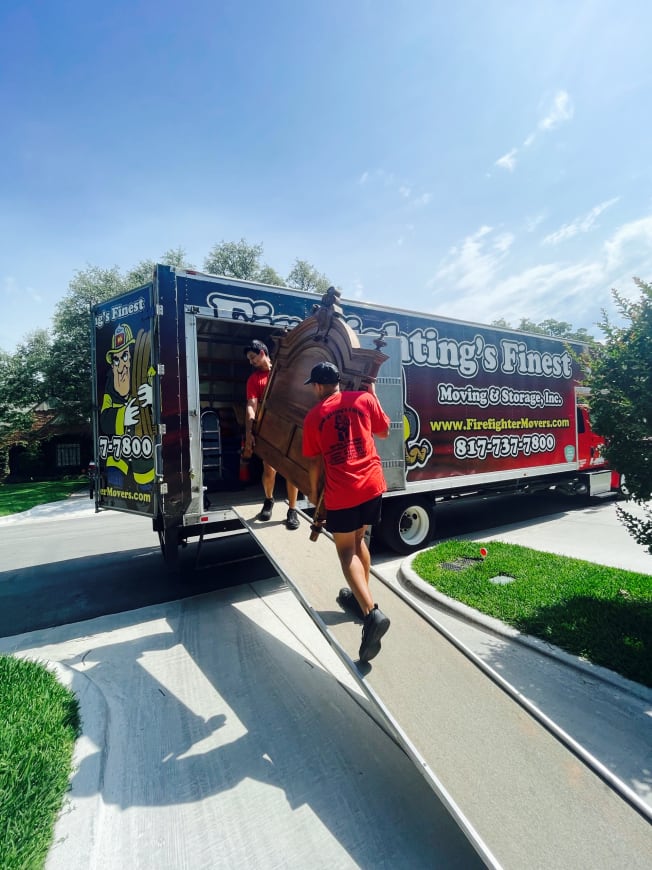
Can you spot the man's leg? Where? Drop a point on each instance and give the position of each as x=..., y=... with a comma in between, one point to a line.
x=292, y=520
x=355, y=561
x=293, y=493
x=268, y=480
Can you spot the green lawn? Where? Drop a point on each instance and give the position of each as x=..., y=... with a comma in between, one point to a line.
x=38, y=727
x=602, y=614
x=17, y=497
x=39, y=722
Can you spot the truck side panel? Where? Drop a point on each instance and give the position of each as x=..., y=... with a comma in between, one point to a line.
x=478, y=401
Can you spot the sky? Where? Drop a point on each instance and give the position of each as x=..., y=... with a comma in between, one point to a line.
x=481, y=159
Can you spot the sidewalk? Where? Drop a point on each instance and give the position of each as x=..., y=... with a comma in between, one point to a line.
x=222, y=731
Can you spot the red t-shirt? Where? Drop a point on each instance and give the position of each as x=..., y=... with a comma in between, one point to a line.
x=256, y=384
x=341, y=429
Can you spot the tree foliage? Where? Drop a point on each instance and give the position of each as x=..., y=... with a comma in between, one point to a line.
x=235, y=260
x=55, y=365
x=551, y=327
x=241, y=260
x=620, y=379
x=23, y=385
x=70, y=369
x=303, y=276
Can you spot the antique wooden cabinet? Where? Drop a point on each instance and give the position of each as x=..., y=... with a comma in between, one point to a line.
x=322, y=337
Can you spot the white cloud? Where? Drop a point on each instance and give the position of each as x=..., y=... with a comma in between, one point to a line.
x=481, y=280
x=504, y=242
x=508, y=161
x=581, y=224
x=562, y=109
x=534, y=291
x=631, y=238
x=389, y=181
x=472, y=264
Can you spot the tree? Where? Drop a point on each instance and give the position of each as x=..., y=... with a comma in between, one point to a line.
x=553, y=328
x=142, y=273
x=620, y=379
x=70, y=364
x=235, y=260
x=58, y=368
x=305, y=277
x=23, y=380
x=268, y=275
x=23, y=384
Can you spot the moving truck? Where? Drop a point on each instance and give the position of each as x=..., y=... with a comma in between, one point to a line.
x=475, y=409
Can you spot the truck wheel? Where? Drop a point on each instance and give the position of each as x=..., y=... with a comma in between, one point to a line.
x=169, y=542
x=407, y=524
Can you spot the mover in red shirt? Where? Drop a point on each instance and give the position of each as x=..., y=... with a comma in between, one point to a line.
x=258, y=357
x=338, y=438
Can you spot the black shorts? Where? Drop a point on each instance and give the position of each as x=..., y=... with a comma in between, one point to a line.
x=352, y=519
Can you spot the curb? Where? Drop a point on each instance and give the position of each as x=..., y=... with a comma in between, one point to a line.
x=408, y=578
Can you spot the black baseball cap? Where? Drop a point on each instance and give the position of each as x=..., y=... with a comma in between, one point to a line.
x=324, y=373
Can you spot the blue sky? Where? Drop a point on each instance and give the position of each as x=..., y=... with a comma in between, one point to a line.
x=478, y=159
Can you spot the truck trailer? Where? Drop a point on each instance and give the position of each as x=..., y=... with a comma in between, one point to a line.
x=475, y=409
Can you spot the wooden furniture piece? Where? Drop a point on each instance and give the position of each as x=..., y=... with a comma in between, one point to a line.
x=322, y=337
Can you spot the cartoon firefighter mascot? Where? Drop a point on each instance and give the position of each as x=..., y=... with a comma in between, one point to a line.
x=127, y=411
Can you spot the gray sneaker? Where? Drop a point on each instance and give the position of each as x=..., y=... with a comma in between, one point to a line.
x=266, y=511
x=373, y=629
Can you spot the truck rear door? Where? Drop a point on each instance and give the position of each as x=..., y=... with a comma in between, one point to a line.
x=125, y=401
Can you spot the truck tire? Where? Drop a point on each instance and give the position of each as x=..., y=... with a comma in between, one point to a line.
x=407, y=524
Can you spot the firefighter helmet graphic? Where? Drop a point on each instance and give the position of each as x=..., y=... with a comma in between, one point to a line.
x=122, y=337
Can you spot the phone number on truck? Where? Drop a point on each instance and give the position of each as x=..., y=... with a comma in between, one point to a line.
x=126, y=446
x=500, y=446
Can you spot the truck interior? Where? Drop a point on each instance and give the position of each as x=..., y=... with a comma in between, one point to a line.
x=223, y=370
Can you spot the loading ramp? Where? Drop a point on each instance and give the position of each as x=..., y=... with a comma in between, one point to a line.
x=519, y=794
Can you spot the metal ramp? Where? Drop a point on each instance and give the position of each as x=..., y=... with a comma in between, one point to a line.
x=522, y=798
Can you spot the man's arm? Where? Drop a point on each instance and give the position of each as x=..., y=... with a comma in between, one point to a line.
x=250, y=416
x=382, y=431
x=315, y=472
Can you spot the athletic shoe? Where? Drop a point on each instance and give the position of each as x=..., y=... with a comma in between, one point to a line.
x=292, y=521
x=347, y=601
x=374, y=628
x=266, y=512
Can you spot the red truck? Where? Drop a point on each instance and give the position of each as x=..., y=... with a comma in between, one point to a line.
x=475, y=409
